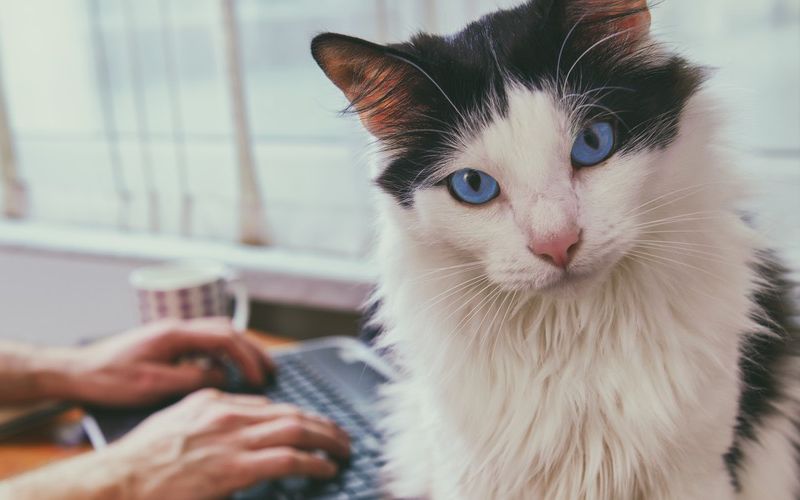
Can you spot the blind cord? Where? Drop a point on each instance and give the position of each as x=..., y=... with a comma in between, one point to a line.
x=252, y=223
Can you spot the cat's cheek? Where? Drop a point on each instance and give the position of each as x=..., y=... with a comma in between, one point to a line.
x=445, y=223
x=608, y=196
x=440, y=221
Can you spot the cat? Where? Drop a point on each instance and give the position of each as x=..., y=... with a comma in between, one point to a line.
x=577, y=307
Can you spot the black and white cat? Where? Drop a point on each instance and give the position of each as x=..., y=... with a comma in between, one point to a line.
x=577, y=307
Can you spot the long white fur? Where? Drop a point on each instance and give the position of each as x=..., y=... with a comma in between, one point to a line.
x=621, y=383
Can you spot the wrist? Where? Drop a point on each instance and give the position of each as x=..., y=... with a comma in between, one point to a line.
x=55, y=372
x=112, y=476
x=100, y=475
x=35, y=373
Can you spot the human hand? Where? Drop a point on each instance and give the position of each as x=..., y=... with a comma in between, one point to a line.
x=212, y=444
x=140, y=367
x=206, y=446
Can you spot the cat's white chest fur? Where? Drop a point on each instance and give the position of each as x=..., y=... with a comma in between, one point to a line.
x=598, y=400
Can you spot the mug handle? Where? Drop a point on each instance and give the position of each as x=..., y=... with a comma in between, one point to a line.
x=241, y=301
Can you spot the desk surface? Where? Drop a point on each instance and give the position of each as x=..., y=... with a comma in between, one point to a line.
x=61, y=438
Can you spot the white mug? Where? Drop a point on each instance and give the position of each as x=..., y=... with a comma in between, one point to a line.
x=190, y=289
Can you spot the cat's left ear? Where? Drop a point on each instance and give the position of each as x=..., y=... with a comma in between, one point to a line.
x=623, y=20
x=383, y=86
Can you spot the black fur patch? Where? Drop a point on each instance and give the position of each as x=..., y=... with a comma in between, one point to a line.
x=763, y=358
x=370, y=329
x=537, y=46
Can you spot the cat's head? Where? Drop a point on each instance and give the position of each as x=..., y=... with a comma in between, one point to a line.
x=524, y=142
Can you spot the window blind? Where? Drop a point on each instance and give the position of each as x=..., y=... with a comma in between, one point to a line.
x=12, y=191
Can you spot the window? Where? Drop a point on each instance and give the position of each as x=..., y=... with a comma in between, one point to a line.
x=751, y=47
x=122, y=114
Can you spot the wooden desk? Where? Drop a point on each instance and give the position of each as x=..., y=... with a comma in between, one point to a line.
x=60, y=437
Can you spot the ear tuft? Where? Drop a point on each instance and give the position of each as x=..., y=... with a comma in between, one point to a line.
x=627, y=19
x=379, y=82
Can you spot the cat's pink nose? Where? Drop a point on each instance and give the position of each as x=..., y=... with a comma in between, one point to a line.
x=558, y=249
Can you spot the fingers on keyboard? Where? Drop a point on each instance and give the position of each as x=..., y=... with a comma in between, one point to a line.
x=281, y=462
x=299, y=432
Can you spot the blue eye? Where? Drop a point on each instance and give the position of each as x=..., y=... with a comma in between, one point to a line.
x=594, y=144
x=473, y=186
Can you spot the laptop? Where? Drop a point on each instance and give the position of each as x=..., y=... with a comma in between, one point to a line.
x=337, y=377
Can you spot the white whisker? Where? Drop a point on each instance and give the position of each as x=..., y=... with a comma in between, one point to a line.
x=688, y=252
x=594, y=90
x=697, y=187
x=664, y=260
x=564, y=45
x=462, y=267
x=604, y=108
x=434, y=82
x=682, y=243
x=586, y=52
x=688, y=214
x=677, y=231
x=479, y=331
x=476, y=281
x=676, y=221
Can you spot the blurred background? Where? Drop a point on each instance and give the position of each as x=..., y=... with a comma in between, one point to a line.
x=134, y=131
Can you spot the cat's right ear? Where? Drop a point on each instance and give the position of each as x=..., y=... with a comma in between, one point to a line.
x=381, y=84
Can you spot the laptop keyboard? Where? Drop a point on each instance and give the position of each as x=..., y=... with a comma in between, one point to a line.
x=300, y=384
